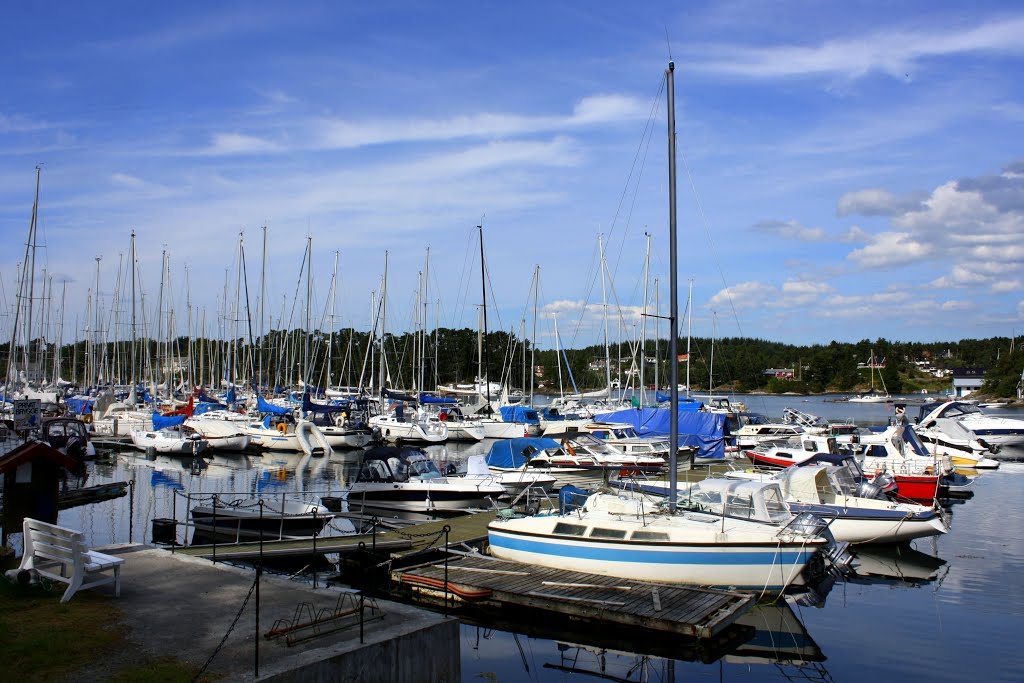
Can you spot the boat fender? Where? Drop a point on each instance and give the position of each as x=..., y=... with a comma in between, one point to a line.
x=282, y=428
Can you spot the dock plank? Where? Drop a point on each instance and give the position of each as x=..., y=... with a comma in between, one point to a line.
x=706, y=611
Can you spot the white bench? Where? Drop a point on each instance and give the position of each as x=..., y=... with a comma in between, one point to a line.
x=49, y=548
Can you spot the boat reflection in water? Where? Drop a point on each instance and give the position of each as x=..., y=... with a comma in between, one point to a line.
x=769, y=634
x=896, y=564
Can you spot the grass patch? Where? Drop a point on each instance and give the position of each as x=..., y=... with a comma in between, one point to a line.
x=44, y=640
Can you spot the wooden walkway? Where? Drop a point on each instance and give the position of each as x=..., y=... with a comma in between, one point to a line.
x=472, y=578
x=398, y=542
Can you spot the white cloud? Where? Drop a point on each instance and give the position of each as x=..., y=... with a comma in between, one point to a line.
x=1006, y=286
x=237, y=143
x=892, y=52
x=876, y=202
x=889, y=249
x=792, y=230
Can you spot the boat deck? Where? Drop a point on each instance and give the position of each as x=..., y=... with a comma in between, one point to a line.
x=473, y=578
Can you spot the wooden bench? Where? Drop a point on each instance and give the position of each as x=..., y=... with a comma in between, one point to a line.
x=61, y=555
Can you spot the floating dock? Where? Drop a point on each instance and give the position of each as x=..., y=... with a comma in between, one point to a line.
x=486, y=581
x=463, y=530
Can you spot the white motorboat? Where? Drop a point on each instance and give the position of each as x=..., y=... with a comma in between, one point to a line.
x=421, y=428
x=170, y=440
x=541, y=455
x=959, y=419
x=404, y=482
x=582, y=449
x=274, y=517
x=757, y=428
x=513, y=481
x=832, y=493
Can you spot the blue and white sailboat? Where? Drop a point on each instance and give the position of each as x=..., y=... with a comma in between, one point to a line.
x=631, y=537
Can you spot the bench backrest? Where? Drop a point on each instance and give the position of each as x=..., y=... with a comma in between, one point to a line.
x=54, y=542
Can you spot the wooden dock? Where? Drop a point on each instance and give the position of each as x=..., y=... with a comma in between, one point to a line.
x=466, y=529
x=483, y=580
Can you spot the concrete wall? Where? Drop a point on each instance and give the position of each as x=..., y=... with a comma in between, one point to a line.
x=429, y=654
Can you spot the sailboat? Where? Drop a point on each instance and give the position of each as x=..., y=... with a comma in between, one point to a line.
x=872, y=396
x=632, y=537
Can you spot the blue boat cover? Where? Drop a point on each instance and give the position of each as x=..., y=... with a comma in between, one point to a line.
x=571, y=498
x=398, y=396
x=202, y=397
x=230, y=397
x=684, y=403
x=706, y=431
x=510, y=452
x=442, y=400
x=521, y=414
x=160, y=422
x=308, y=406
x=80, y=405
x=265, y=407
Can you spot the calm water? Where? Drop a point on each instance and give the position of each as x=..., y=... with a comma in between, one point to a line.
x=950, y=610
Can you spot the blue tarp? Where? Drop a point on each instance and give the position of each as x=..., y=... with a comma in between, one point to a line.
x=203, y=398
x=442, y=400
x=80, y=405
x=264, y=407
x=509, y=452
x=160, y=422
x=706, y=431
x=522, y=414
x=308, y=406
x=684, y=403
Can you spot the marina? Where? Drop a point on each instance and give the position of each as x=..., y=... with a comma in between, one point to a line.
x=964, y=576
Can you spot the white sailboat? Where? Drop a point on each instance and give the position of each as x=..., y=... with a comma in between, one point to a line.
x=632, y=537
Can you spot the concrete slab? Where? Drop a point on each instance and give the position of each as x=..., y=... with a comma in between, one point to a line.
x=182, y=606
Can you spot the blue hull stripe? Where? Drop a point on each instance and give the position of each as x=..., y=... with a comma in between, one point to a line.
x=682, y=556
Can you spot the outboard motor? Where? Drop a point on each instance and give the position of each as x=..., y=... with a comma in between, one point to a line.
x=882, y=486
x=838, y=554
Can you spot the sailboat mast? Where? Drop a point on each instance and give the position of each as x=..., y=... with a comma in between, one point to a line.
x=533, y=336
x=689, y=328
x=673, y=315
x=483, y=288
x=643, y=321
x=604, y=303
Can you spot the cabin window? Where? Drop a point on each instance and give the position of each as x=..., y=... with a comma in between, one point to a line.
x=649, y=536
x=56, y=429
x=598, y=532
x=782, y=454
x=570, y=529
x=740, y=506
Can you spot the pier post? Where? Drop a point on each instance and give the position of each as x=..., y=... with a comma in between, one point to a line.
x=446, y=529
x=131, y=507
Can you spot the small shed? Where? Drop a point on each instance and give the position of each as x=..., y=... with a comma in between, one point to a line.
x=32, y=475
x=967, y=380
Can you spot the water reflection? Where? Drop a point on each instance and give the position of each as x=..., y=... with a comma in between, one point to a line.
x=896, y=564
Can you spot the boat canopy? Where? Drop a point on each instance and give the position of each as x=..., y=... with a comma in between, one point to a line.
x=684, y=403
x=521, y=414
x=80, y=405
x=208, y=407
x=515, y=453
x=705, y=431
x=161, y=422
x=202, y=397
x=264, y=407
x=398, y=396
x=309, y=407
x=443, y=400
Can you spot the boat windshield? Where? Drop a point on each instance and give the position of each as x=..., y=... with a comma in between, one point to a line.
x=843, y=479
x=421, y=467
x=593, y=444
x=960, y=409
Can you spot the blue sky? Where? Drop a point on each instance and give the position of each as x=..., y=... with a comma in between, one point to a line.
x=847, y=170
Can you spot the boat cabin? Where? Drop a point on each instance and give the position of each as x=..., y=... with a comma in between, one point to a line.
x=394, y=464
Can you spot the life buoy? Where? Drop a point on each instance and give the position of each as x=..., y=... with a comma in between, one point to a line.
x=282, y=428
x=87, y=418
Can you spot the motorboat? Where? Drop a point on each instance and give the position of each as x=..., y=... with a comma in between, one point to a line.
x=831, y=493
x=633, y=537
x=169, y=435
x=421, y=427
x=953, y=440
x=511, y=422
x=274, y=517
x=898, y=451
x=845, y=431
x=543, y=456
x=792, y=451
x=582, y=449
x=964, y=420
x=757, y=428
x=403, y=481
x=513, y=481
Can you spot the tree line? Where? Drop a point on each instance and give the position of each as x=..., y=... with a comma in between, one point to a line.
x=446, y=356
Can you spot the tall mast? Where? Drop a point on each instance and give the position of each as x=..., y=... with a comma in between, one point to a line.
x=134, y=374
x=643, y=322
x=673, y=315
x=483, y=288
x=533, y=336
x=263, y=304
x=604, y=302
x=689, y=328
